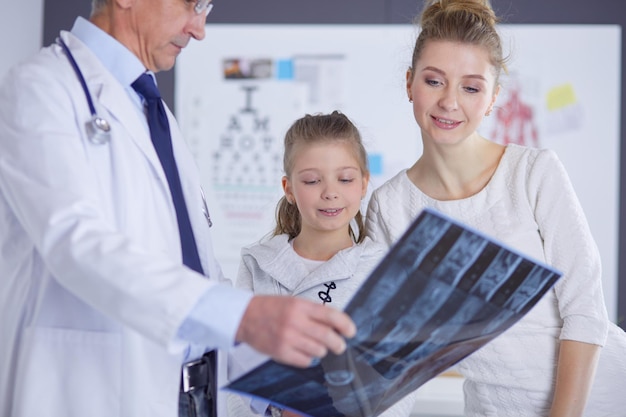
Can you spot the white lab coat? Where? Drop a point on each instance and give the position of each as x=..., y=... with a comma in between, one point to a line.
x=92, y=290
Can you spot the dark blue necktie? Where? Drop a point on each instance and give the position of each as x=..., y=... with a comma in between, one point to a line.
x=160, y=134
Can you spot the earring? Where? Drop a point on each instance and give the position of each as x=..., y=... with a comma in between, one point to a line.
x=410, y=99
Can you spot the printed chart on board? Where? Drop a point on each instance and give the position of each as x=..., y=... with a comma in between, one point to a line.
x=238, y=91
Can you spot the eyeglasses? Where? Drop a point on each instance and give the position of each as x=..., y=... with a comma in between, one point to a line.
x=203, y=6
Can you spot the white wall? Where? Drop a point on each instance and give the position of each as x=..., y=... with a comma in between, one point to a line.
x=222, y=118
x=21, y=28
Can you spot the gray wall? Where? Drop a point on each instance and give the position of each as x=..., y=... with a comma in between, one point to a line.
x=59, y=14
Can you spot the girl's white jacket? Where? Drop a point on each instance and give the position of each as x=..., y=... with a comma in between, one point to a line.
x=273, y=267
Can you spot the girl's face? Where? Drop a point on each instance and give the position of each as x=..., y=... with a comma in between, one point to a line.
x=452, y=87
x=326, y=184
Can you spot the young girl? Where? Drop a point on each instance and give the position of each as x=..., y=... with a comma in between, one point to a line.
x=318, y=249
x=545, y=364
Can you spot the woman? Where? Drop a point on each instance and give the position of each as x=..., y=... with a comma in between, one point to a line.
x=545, y=364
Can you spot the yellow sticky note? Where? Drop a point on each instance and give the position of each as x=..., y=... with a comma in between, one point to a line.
x=561, y=96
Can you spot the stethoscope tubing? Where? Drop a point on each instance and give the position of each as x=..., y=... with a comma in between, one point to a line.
x=79, y=74
x=98, y=129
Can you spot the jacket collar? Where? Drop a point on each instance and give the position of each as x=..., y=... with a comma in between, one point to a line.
x=108, y=94
x=115, y=102
x=277, y=258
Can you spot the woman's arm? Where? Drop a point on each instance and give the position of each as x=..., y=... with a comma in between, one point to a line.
x=575, y=374
x=569, y=247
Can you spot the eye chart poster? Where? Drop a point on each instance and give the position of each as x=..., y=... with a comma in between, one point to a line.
x=239, y=90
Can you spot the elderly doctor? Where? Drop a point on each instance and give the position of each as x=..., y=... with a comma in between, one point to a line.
x=98, y=312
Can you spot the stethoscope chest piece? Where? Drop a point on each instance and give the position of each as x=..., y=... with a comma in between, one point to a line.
x=98, y=130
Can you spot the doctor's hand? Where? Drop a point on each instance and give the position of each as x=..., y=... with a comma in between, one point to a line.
x=293, y=330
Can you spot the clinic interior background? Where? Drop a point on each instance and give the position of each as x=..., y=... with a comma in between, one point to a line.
x=27, y=25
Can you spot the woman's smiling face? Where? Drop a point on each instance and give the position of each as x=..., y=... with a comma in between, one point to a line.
x=452, y=86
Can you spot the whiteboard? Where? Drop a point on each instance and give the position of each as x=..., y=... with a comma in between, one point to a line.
x=239, y=90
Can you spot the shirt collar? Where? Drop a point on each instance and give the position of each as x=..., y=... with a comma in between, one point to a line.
x=119, y=60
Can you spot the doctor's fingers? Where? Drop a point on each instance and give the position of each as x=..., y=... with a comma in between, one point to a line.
x=309, y=332
x=327, y=325
x=292, y=330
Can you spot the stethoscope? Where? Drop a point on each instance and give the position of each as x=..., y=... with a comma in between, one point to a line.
x=98, y=129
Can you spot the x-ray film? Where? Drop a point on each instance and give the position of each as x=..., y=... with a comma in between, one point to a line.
x=443, y=291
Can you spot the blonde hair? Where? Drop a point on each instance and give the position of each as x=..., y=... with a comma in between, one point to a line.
x=465, y=21
x=310, y=129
